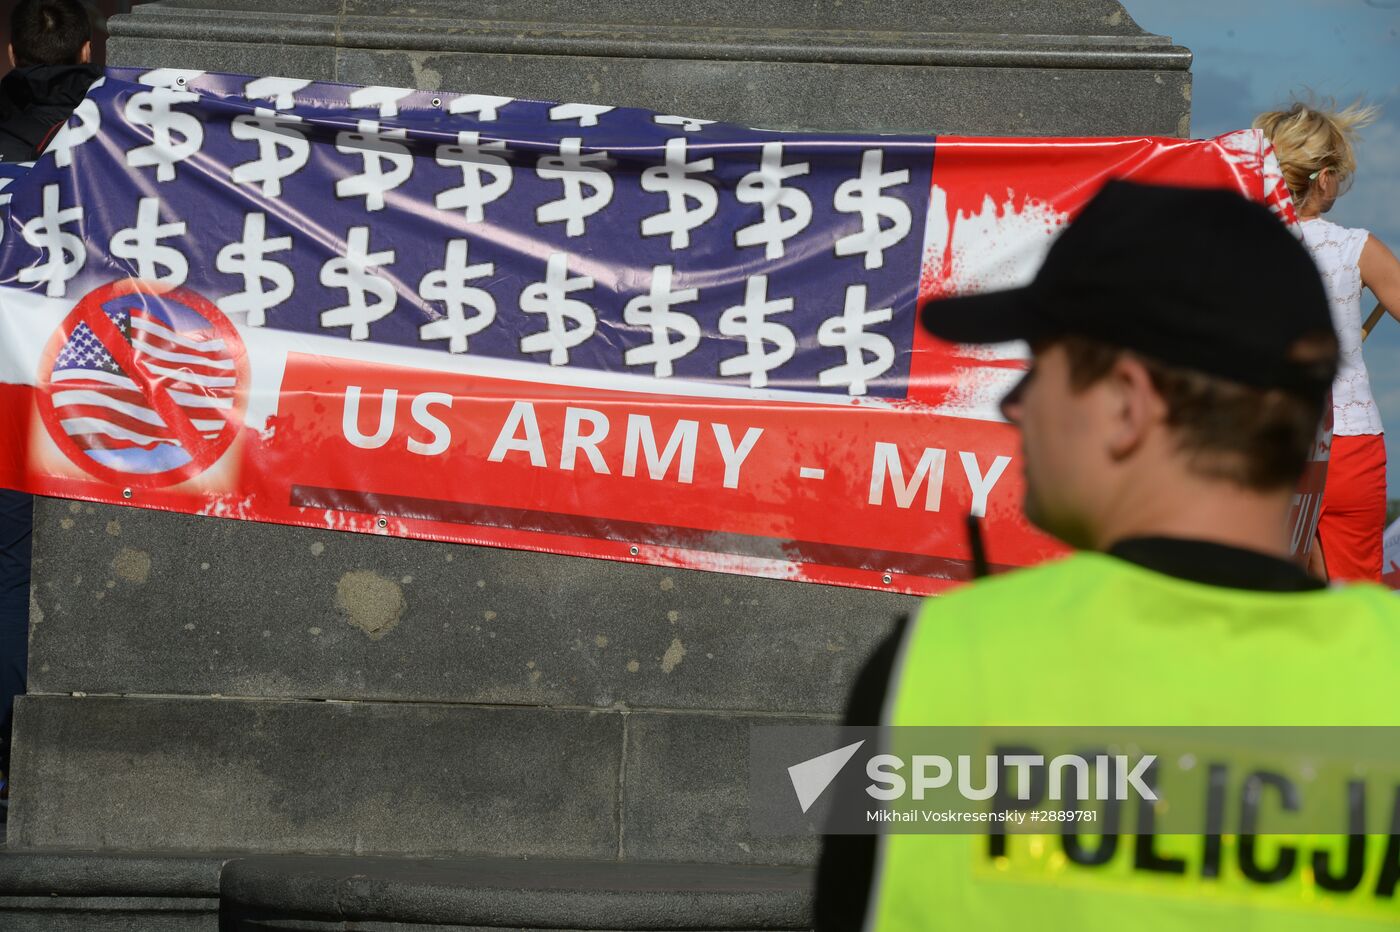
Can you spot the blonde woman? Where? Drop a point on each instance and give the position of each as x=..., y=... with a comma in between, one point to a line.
x=1315, y=149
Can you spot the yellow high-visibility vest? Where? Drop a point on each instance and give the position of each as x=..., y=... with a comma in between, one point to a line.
x=1094, y=640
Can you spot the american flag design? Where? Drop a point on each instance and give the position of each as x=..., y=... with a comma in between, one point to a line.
x=128, y=416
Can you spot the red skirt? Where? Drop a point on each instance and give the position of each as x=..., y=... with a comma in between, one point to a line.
x=1352, y=522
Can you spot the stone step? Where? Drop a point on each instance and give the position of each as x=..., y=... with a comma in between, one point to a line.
x=49, y=891
x=456, y=894
x=90, y=891
x=432, y=779
x=1068, y=17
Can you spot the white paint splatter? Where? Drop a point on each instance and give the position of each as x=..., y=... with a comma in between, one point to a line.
x=997, y=247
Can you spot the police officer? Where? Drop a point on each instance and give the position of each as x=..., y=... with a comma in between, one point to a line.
x=1181, y=356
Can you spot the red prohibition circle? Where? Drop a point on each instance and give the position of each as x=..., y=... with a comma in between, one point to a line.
x=203, y=452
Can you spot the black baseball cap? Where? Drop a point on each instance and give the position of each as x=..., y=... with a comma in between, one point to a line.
x=1196, y=278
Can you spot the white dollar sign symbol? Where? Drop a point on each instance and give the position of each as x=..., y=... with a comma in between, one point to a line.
x=141, y=244
x=352, y=272
x=848, y=332
x=272, y=132
x=551, y=298
x=689, y=124
x=485, y=106
x=88, y=122
x=471, y=156
x=449, y=285
x=765, y=188
x=5, y=202
x=385, y=98
x=586, y=114
x=575, y=171
x=375, y=147
x=66, y=253
x=750, y=321
x=152, y=108
x=281, y=91
x=673, y=179
x=654, y=312
x=249, y=259
x=865, y=196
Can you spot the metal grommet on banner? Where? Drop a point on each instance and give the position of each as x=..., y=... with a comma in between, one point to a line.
x=180, y=81
x=382, y=523
x=437, y=101
x=635, y=550
x=126, y=493
x=887, y=579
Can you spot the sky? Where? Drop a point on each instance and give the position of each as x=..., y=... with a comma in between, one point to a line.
x=1255, y=55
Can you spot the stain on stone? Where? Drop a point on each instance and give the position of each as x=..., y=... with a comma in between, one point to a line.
x=75, y=508
x=132, y=565
x=601, y=641
x=370, y=602
x=673, y=616
x=317, y=549
x=204, y=566
x=114, y=528
x=423, y=76
x=633, y=666
x=189, y=626
x=314, y=632
x=666, y=584
x=489, y=616
x=673, y=656
x=66, y=523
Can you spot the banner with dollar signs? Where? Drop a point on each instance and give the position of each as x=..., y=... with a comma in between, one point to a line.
x=564, y=327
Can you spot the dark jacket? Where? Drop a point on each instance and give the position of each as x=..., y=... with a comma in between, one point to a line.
x=35, y=102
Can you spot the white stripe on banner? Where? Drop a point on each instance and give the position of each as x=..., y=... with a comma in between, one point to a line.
x=149, y=349
x=99, y=400
x=78, y=426
x=179, y=375
x=165, y=333
x=95, y=375
x=187, y=400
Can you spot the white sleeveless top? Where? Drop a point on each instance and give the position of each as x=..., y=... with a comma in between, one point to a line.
x=1336, y=250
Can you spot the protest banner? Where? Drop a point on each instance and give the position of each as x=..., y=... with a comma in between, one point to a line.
x=567, y=327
